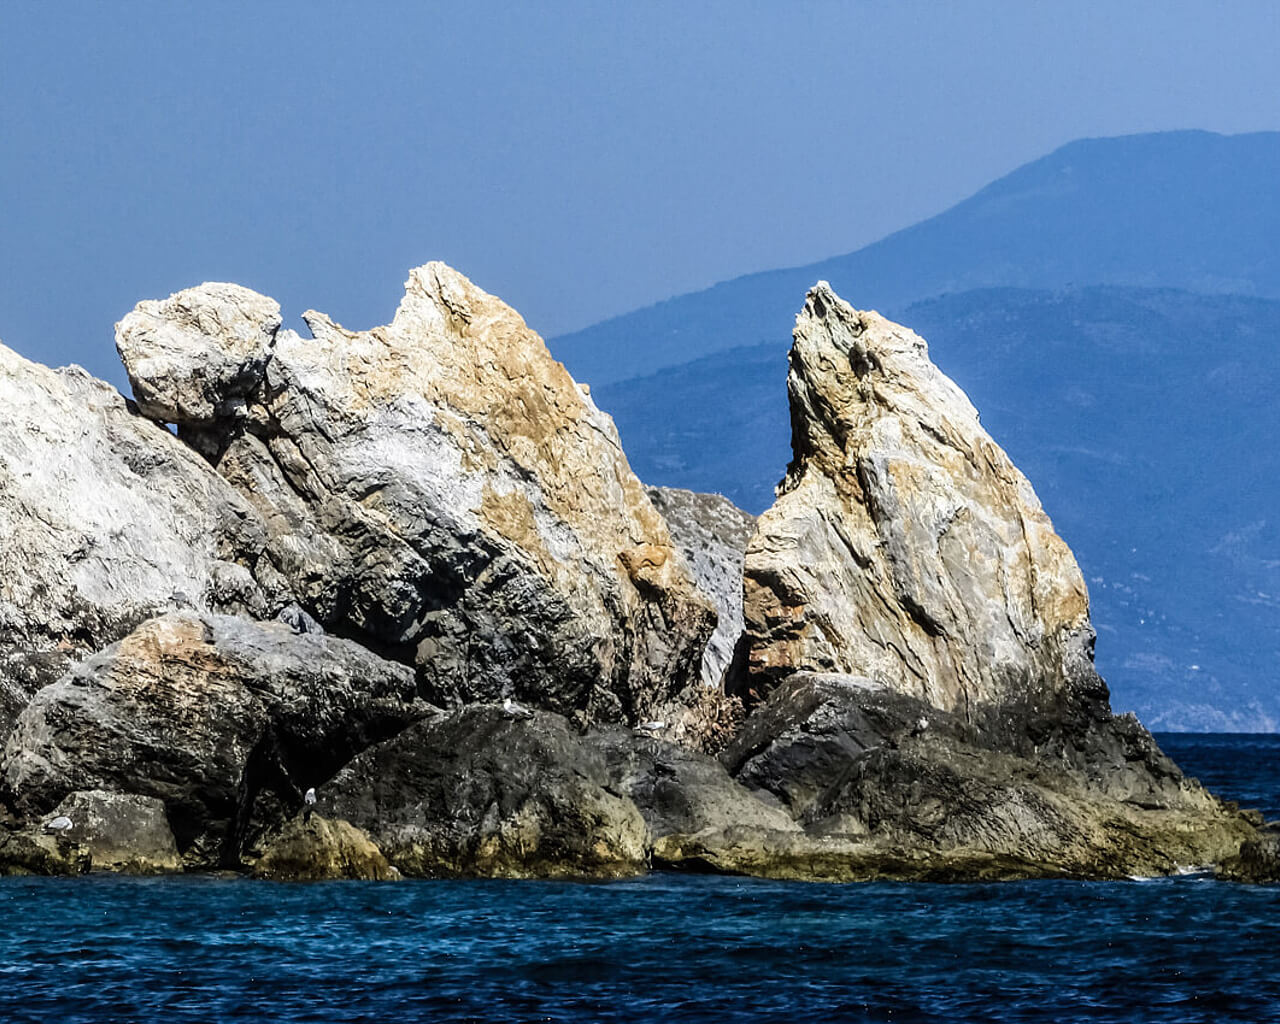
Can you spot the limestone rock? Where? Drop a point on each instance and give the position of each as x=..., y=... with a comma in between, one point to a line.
x=225, y=721
x=106, y=519
x=479, y=793
x=123, y=832
x=442, y=490
x=193, y=358
x=320, y=850
x=712, y=534
x=904, y=545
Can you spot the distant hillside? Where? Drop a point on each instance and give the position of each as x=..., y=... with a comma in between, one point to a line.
x=1149, y=423
x=1189, y=210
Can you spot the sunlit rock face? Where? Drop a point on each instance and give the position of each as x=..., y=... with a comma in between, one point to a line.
x=106, y=519
x=904, y=545
x=440, y=489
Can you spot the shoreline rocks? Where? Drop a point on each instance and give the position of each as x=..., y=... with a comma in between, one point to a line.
x=410, y=569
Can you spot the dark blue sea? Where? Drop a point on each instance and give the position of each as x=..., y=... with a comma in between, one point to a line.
x=662, y=948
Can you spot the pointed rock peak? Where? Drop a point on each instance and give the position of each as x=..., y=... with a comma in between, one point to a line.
x=191, y=358
x=904, y=544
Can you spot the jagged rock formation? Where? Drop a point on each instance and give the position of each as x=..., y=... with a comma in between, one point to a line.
x=712, y=534
x=904, y=545
x=442, y=497
x=478, y=792
x=106, y=519
x=440, y=489
x=225, y=721
x=878, y=773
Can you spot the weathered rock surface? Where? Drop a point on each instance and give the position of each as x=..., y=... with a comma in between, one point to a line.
x=1258, y=860
x=122, y=832
x=712, y=534
x=479, y=793
x=225, y=721
x=680, y=791
x=32, y=852
x=904, y=545
x=920, y=792
x=194, y=357
x=321, y=850
x=106, y=519
x=441, y=489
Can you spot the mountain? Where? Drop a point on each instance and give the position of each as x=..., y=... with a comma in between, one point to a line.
x=1146, y=417
x=1191, y=210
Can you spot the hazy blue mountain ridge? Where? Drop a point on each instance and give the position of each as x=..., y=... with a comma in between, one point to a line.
x=1191, y=210
x=1110, y=310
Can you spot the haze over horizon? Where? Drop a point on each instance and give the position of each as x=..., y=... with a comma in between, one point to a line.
x=576, y=161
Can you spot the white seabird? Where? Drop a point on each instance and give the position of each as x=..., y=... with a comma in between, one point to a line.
x=921, y=725
x=514, y=710
x=651, y=727
x=60, y=825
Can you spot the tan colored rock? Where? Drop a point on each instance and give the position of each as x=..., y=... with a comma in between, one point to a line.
x=319, y=850
x=904, y=545
x=442, y=490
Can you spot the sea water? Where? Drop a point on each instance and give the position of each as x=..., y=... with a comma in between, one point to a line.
x=661, y=948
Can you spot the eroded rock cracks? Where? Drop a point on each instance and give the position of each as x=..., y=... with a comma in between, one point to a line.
x=392, y=603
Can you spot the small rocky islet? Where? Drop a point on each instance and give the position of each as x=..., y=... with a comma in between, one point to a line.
x=411, y=569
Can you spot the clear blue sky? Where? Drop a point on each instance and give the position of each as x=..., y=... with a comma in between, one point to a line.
x=577, y=159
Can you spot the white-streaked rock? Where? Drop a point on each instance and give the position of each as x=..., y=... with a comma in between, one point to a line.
x=441, y=489
x=105, y=520
x=712, y=534
x=904, y=545
x=178, y=371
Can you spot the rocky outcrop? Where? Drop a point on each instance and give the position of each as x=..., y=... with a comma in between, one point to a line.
x=904, y=545
x=122, y=832
x=106, y=519
x=712, y=534
x=681, y=792
x=478, y=792
x=915, y=791
x=225, y=721
x=319, y=850
x=32, y=851
x=1258, y=860
x=440, y=489
x=195, y=357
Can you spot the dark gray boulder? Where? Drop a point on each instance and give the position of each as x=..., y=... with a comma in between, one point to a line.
x=123, y=832
x=478, y=792
x=107, y=519
x=921, y=792
x=225, y=721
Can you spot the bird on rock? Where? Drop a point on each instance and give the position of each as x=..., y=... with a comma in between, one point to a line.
x=59, y=826
x=513, y=710
x=652, y=728
x=308, y=803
